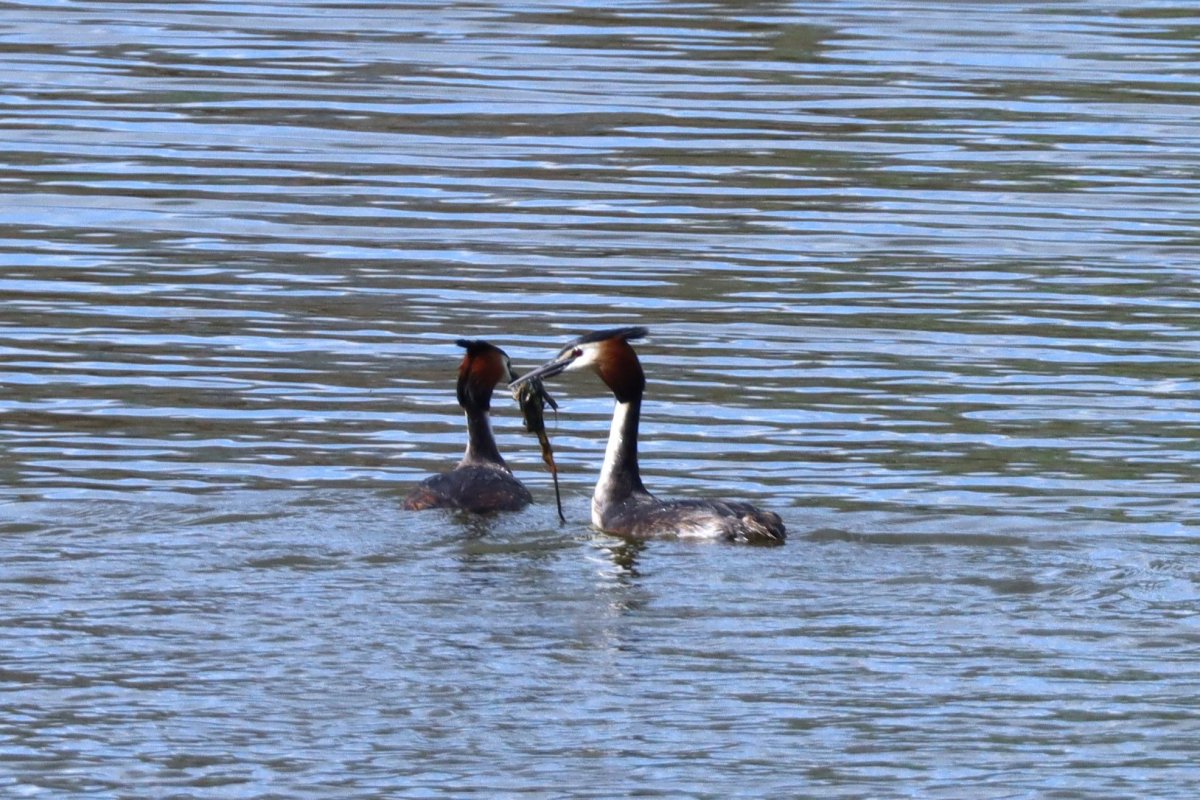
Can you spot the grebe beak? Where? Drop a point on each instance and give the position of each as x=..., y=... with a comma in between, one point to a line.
x=547, y=370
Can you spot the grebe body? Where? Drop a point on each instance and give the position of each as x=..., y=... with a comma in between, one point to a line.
x=481, y=482
x=620, y=503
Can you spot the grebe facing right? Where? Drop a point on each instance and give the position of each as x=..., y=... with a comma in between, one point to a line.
x=620, y=503
x=482, y=481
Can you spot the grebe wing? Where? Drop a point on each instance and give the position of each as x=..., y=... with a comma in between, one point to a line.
x=475, y=488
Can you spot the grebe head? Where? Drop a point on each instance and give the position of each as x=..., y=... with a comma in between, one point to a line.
x=483, y=366
x=608, y=353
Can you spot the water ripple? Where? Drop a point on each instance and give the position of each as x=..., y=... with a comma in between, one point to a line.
x=919, y=277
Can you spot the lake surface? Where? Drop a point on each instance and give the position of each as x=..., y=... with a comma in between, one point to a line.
x=921, y=277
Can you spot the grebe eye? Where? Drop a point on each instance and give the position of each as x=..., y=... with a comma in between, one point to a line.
x=577, y=352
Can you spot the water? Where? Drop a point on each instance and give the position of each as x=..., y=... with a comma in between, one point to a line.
x=919, y=277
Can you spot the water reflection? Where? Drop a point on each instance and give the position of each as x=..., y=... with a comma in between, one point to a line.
x=624, y=555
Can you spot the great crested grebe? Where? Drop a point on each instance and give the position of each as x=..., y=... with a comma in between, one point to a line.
x=482, y=481
x=620, y=503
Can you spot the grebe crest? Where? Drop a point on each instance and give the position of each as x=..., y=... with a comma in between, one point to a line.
x=620, y=502
x=481, y=482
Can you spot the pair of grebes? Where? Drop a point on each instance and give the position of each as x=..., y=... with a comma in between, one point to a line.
x=621, y=505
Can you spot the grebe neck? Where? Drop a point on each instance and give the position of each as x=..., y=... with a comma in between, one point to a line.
x=619, y=477
x=481, y=444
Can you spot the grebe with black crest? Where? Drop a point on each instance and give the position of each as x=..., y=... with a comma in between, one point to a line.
x=481, y=482
x=620, y=502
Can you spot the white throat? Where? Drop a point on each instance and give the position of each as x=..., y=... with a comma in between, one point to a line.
x=615, y=449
